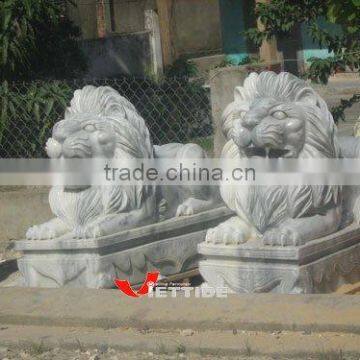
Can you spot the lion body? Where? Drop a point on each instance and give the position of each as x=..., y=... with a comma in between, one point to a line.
x=279, y=112
x=102, y=124
x=267, y=206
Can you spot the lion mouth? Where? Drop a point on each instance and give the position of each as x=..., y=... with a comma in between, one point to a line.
x=273, y=153
x=75, y=188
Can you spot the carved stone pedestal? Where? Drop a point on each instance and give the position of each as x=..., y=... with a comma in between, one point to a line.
x=169, y=246
x=320, y=266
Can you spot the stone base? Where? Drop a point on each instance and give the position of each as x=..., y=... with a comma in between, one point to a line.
x=169, y=246
x=321, y=266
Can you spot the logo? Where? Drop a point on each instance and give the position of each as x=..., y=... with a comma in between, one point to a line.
x=152, y=290
x=149, y=284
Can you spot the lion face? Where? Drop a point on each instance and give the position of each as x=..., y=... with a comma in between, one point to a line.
x=83, y=137
x=279, y=115
x=269, y=128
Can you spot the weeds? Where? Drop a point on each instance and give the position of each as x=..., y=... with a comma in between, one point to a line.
x=35, y=349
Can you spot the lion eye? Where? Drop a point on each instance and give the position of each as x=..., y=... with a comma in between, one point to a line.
x=89, y=127
x=280, y=115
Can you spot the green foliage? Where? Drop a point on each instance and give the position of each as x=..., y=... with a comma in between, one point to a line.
x=181, y=68
x=256, y=36
x=246, y=60
x=251, y=62
x=345, y=12
x=37, y=40
x=175, y=109
x=281, y=17
x=28, y=111
x=225, y=63
x=35, y=349
x=320, y=69
x=338, y=111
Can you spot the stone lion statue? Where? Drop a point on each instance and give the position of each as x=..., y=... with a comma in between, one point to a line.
x=278, y=116
x=100, y=123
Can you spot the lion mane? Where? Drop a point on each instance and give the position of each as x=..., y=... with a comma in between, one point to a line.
x=268, y=206
x=110, y=110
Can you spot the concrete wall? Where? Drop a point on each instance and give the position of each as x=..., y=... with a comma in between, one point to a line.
x=84, y=16
x=129, y=15
x=122, y=16
x=121, y=54
x=126, y=48
x=196, y=26
x=222, y=84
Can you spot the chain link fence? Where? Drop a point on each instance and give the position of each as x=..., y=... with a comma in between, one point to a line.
x=175, y=110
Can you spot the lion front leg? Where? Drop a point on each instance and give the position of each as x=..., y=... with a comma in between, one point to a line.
x=296, y=232
x=114, y=223
x=110, y=224
x=48, y=230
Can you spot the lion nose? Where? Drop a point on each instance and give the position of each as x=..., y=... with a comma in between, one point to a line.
x=105, y=138
x=250, y=120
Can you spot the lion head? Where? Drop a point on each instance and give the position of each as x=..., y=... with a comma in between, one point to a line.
x=98, y=124
x=278, y=116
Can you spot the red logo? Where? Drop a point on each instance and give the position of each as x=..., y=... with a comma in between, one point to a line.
x=150, y=281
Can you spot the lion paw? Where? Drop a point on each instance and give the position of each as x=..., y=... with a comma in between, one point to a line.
x=226, y=235
x=193, y=206
x=41, y=232
x=184, y=210
x=283, y=236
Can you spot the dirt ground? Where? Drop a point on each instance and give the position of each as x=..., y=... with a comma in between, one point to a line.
x=111, y=354
x=7, y=250
x=63, y=343
x=58, y=354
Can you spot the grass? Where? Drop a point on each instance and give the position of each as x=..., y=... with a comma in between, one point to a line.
x=103, y=348
x=330, y=355
x=80, y=345
x=36, y=349
x=247, y=348
x=181, y=349
x=161, y=349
